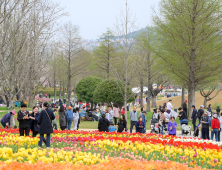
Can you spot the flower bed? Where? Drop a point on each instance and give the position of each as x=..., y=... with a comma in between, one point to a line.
x=95, y=150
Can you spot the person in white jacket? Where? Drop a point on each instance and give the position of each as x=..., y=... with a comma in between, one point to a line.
x=75, y=118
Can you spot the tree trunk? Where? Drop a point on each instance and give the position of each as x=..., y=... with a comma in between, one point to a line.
x=205, y=102
x=183, y=96
x=11, y=103
x=154, y=101
x=148, y=101
x=32, y=100
x=191, y=99
x=63, y=95
x=141, y=93
x=69, y=90
x=54, y=89
x=60, y=89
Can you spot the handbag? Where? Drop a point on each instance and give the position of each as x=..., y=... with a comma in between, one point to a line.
x=49, y=118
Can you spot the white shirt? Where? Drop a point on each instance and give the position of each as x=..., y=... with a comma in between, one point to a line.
x=167, y=115
x=169, y=106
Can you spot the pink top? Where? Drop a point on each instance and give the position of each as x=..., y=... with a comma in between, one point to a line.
x=115, y=112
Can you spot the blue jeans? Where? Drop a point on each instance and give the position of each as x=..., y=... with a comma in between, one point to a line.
x=161, y=130
x=69, y=123
x=215, y=131
x=181, y=127
x=47, y=140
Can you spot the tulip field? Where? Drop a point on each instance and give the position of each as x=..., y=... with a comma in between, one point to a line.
x=95, y=150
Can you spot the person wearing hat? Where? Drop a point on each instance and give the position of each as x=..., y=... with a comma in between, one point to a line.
x=6, y=119
x=194, y=117
x=215, y=127
x=205, y=120
x=69, y=117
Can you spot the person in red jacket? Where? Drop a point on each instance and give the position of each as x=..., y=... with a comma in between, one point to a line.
x=215, y=127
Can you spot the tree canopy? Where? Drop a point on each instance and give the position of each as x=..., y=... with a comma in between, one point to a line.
x=85, y=88
x=111, y=90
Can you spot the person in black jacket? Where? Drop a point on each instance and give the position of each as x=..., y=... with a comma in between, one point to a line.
x=103, y=124
x=184, y=106
x=182, y=115
x=45, y=124
x=121, y=124
x=23, y=119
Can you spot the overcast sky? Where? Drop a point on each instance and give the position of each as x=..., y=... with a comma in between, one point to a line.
x=95, y=16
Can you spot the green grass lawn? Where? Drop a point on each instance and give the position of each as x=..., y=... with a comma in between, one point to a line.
x=94, y=124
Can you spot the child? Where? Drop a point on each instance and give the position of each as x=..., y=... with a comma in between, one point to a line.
x=140, y=126
x=54, y=122
x=123, y=111
x=23, y=119
x=112, y=128
x=215, y=127
x=19, y=104
x=172, y=126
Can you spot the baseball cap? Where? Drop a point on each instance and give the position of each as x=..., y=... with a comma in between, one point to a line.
x=202, y=106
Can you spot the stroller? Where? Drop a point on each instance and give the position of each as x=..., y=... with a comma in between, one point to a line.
x=185, y=127
x=154, y=126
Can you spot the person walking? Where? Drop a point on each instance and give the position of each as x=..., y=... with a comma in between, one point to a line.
x=75, y=118
x=133, y=119
x=45, y=124
x=23, y=119
x=6, y=120
x=194, y=117
x=54, y=122
x=182, y=116
x=121, y=126
x=172, y=127
x=69, y=117
x=140, y=126
x=215, y=128
x=62, y=118
x=103, y=124
x=116, y=111
x=205, y=120
x=169, y=106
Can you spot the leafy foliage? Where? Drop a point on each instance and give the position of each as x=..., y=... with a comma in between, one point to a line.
x=111, y=90
x=85, y=88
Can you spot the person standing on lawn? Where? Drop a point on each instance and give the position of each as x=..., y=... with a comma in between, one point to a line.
x=69, y=117
x=111, y=114
x=133, y=119
x=116, y=111
x=45, y=124
x=54, y=122
x=172, y=127
x=215, y=128
x=210, y=115
x=141, y=113
x=184, y=106
x=205, y=120
x=169, y=106
x=75, y=118
x=194, y=117
x=23, y=119
x=182, y=116
x=6, y=120
x=62, y=118
x=162, y=121
x=144, y=120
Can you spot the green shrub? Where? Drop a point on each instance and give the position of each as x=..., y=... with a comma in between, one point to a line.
x=4, y=108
